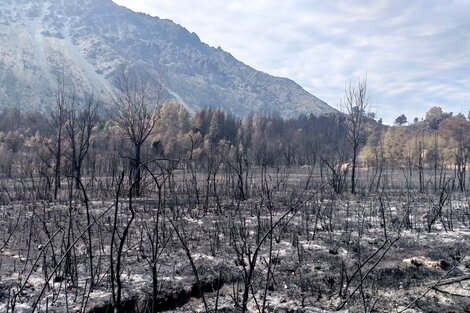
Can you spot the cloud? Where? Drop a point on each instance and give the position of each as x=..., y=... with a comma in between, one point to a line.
x=415, y=53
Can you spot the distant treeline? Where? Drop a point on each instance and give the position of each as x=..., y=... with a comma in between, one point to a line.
x=264, y=139
x=28, y=142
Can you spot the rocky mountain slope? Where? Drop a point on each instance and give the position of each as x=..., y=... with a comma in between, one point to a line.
x=88, y=40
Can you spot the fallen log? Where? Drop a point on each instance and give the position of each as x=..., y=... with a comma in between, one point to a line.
x=452, y=280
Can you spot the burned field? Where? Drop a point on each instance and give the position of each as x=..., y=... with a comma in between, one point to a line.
x=279, y=241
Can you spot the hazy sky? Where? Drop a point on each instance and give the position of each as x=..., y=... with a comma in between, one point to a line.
x=416, y=54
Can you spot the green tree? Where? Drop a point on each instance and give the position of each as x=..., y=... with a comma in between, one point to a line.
x=401, y=120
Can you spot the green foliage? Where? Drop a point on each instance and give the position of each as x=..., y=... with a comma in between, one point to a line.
x=401, y=120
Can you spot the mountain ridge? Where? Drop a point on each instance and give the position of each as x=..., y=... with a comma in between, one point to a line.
x=91, y=39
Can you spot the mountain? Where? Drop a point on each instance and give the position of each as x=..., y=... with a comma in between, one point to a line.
x=89, y=40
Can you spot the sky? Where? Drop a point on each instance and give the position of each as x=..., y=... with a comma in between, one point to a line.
x=415, y=54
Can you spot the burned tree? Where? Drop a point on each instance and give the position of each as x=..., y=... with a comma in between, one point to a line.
x=78, y=126
x=135, y=104
x=54, y=144
x=356, y=103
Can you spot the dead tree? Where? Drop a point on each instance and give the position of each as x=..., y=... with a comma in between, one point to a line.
x=55, y=143
x=356, y=103
x=155, y=235
x=116, y=256
x=79, y=126
x=237, y=160
x=135, y=104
